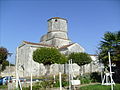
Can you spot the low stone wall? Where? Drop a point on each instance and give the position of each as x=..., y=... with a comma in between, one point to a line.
x=9, y=71
x=54, y=69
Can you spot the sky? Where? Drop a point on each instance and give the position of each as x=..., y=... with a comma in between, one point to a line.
x=88, y=20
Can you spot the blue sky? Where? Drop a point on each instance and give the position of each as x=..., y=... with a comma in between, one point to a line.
x=88, y=20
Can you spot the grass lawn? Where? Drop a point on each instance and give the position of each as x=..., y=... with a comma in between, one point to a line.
x=100, y=87
x=3, y=86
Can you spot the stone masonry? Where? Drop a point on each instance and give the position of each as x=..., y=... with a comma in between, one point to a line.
x=57, y=36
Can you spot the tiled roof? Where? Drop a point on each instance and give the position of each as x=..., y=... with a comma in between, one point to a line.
x=65, y=46
x=57, y=38
x=37, y=44
x=93, y=55
x=57, y=18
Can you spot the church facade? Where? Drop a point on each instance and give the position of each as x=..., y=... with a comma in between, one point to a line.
x=57, y=36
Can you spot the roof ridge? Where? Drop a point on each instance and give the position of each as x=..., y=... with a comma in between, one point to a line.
x=26, y=42
x=65, y=46
x=57, y=18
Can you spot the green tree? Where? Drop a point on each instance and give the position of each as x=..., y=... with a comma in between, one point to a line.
x=80, y=58
x=3, y=57
x=48, y=56
x=111, y=43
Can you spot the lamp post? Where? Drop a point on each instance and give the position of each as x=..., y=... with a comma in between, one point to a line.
x=9, y=61
x=9, y=70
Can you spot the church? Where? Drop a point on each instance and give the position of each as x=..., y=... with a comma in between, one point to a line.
x=56, y=36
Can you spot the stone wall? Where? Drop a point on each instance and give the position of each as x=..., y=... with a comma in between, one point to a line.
x=57, y=33
x=57, y=37
x=26, y=65
x=54, y=69
x=40, y=70
x=57, y=24
x=9, y=71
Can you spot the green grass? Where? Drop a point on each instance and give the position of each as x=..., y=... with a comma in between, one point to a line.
x=100, y=87
x=3, y=86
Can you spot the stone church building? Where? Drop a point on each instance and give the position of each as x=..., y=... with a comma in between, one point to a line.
x=57, y=36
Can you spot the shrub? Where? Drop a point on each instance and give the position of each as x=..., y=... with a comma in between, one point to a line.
x=80, y=58
x=48, y=82
x=90, y=77
x=85, y=79
x=95, y=76
x=48, y=56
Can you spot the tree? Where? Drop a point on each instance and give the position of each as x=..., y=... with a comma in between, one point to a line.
x=3, y=57
x=48, y=56
x=111, y=43
x=80, y=58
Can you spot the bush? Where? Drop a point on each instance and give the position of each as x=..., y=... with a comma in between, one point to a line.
x=85, y=79
x=48, y=56
x=48, y=82
x=80, y=58
x=90, y=78
x=95, y=76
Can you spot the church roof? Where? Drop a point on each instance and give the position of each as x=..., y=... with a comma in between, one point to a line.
x=57, y=18
x=41, y=44
x=65, y=46
x=37, y=44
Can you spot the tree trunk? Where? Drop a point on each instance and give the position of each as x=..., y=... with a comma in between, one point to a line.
x=59, y=67
x=47, y=67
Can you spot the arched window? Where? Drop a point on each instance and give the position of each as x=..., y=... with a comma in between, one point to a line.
x=55, y=20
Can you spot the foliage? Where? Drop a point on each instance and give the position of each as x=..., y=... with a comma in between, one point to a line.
x=3, y=87
x=89, y=78
x=3, y=56
x=48, y=56
x=85, y=79
x=110, y=42
x=99, y=87
x=95, y=77
x=80, y=58
x=116, y=74
x=48, y=82
x=4, y=64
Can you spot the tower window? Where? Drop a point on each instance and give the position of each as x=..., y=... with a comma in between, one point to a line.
x=55, y=20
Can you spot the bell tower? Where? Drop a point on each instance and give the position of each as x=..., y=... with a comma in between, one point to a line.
x=57, y=24
x=57, y=32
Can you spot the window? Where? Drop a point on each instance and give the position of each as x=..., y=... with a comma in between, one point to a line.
x=55, y=20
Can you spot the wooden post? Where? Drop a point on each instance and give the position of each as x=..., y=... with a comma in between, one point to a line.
x=54, y=78
x=69, y=76
x=60, y=80
x=31, y=82
x=31, y=75
x=16, y=68
x=110, y=71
